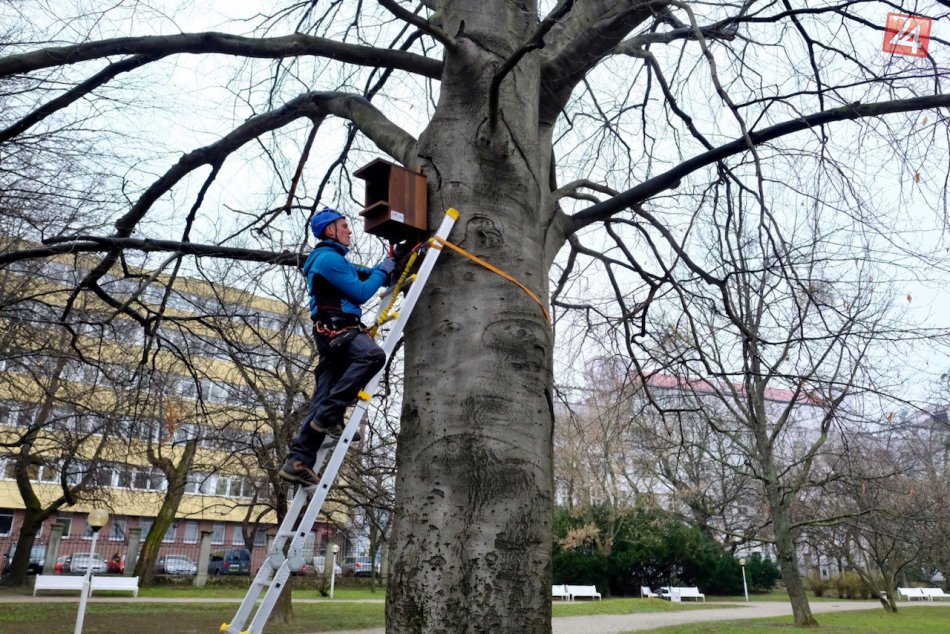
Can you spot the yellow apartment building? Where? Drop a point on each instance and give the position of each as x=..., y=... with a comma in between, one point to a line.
x=102, y=404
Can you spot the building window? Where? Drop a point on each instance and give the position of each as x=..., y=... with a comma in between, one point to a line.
x=6, y=522
x=66, y=520
x=191, y=533
x=148, y=480
x=145, y=523
x=117, y=529
x=238, y=537
x=193, y=484
x=171, y=533
x=217, y=534
x=260, y=538
x=6, y=410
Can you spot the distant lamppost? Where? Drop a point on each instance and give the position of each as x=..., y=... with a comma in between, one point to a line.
x=335, y=550
x=96, y=519
x=745, y=587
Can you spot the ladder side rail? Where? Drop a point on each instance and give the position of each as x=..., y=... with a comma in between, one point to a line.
x=270, y=600
x=309, y=517
x=266, y=574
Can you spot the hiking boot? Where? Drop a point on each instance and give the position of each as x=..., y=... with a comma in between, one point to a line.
x=296, y=471
x=332, y=430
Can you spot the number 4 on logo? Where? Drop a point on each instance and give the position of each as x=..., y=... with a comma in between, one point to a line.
x=906, y=34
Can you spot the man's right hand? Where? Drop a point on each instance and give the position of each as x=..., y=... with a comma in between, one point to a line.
x=387, y=266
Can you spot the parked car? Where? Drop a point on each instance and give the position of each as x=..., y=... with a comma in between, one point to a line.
x=176, y=565
x=320, y=561
x=37, y=559
x=79, y=563
x=233, y=561
x=359, y=567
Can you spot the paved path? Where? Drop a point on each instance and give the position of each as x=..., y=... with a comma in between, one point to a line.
x=617, y=623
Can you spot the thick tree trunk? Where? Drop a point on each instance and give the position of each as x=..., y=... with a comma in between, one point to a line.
x=19, y=570
x=471, y=545
x=283, y=612
x=788, y=562
x=890, y=601
x=177, y=477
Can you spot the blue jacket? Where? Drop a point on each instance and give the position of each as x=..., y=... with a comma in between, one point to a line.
x=336, y=285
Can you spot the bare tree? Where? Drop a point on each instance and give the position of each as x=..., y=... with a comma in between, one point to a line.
x=892, y=495
x=678, y=97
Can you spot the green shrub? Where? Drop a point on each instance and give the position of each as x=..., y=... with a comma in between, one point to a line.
x=761, y=573
x=849, y=585
x=581, y=568
x=817, y=584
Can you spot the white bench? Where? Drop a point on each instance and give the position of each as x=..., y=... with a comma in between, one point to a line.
x=57, y=582
x=646, y=593
x=935, y=593
x=116, y=584
x=74, y=582
x=912, y=593
x=560, y=592
x=678, y=594
x=589, y=592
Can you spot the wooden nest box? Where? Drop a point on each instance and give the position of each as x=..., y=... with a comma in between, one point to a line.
x=396, y=201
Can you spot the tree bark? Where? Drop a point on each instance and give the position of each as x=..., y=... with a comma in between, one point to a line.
x=19, y=568
x=788, y=560
x=177, y=476
x=471, y=546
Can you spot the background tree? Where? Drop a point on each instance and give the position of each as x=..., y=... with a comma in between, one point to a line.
x=500, y=141
x=767, y=357
x=891, y=494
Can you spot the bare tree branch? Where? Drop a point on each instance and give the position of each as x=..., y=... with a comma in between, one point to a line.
x=671, y=178
x=578, y=42
x=417, y=21
x=98, y=244
x=534, y=42
x=225, y=44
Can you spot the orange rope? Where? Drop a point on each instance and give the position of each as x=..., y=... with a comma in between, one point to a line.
x=496, y=270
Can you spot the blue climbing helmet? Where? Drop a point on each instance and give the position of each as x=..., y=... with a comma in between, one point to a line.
x=322, y=219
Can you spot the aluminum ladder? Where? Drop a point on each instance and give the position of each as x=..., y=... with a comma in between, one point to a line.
x=276, y=569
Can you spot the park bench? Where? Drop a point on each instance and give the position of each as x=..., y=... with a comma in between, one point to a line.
x=99, y=583
x=583, y=592
x=912, y=593
x=560, y=592
x=57, y=582
x=646, y=593
x=935, y=593
x=679, y=593
x=115, y=584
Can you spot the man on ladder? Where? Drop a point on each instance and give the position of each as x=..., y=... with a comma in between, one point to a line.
x=349, y=357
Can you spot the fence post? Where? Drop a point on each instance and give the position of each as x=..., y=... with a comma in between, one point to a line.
x=132, y=554
x=52, y=548
x=204, y=554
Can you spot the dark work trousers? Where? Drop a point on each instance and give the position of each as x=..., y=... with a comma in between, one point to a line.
x=340, y=375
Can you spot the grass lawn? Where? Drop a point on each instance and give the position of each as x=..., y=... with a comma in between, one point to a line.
x=625, y=606
x=178, y=618
x=916, y=620
x=194, y=618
